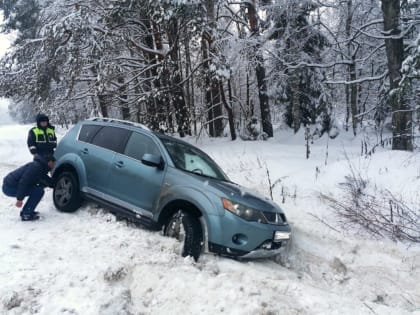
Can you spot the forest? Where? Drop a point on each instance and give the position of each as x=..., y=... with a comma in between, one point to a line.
x=314, y=104
x=219, y=67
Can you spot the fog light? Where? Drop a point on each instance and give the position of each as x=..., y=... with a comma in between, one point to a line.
x=239, y=239
x=281, y=236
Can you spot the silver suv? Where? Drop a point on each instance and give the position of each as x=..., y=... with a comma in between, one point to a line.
x=165, y=184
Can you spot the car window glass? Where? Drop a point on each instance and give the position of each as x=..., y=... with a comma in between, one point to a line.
x=194, y=162
x=191, y=159
x=111, y=138
x=87, y=132
x=138, y=145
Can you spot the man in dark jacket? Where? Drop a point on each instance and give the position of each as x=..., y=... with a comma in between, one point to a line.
x=29, y=180
x=42, y=139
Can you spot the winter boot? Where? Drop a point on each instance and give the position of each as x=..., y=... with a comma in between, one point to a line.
x=29, y=216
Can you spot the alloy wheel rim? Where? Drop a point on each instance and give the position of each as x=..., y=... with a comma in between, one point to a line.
x=63, y=191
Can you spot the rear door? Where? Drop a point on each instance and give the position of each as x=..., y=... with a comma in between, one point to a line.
x=136, y=185
x=98, y=151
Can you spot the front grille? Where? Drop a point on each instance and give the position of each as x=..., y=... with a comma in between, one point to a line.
x=270, y=216
x=274, y=218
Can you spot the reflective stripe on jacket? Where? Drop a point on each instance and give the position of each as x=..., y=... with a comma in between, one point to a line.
x=40, y=135
x=42, y=141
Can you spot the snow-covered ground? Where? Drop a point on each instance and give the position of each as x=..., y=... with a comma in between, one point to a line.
x=89, y=263
x=4, y=112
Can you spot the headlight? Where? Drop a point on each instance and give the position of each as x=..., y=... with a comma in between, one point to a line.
x=244, y=212
x=281, y=236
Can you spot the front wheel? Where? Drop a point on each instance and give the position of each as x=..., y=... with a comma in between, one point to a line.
x=186, y=228
x=66, y=194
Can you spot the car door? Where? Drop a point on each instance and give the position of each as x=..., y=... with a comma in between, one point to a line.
x=97, y=154
x=135, y=184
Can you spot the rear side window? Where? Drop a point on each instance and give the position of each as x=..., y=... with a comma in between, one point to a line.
x=111, y=138
x=87, y=132
x=138, y=145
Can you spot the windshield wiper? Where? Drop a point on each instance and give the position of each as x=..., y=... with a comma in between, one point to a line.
x=203, y=175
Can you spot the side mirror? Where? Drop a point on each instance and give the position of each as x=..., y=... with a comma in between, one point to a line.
x=153, y=160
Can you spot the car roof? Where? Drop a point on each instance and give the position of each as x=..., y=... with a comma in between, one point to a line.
x=126, y=123
x=163, y=136
x=118, y=121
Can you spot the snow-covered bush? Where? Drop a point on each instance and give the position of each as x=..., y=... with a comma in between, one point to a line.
x=378, y=212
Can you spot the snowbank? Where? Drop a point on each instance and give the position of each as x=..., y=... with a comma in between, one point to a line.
x=89, y=263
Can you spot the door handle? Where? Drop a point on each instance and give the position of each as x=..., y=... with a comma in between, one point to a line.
x=119, y=164
x=85, y=151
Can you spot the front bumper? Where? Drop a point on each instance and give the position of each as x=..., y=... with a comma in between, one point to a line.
x=270, y=248
x=267, y=249
x=262, y=253
x=232, y=236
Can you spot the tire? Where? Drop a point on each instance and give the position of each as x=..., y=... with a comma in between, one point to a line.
x=186, y=228
x=66, y=194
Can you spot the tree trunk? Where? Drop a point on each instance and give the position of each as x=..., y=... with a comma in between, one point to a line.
x=296, y=109
x=353, y=96
x=123, y=97
x=347, y=91
x=178, y=98
x=207, y=83
x=351, y=91
x=401, y=114
x=190, y=83
x=249, y=110
x=162, y=82
x=151, y=108
x=214, y=105
x=101, y=98
x=102, y=105
x=229, y=111
x=262, y=93
x=260, y=72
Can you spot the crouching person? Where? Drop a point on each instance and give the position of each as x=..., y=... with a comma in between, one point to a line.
x=29, y=181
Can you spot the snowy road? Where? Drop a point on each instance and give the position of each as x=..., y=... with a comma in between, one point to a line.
x=89, y=263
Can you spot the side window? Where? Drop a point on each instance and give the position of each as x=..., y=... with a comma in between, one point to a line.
x=87, y=132
x=111, y=138
x=138, y=145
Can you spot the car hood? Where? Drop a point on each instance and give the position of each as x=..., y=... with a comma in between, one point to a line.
x=245, y=196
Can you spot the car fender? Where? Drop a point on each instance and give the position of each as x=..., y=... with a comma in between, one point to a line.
x=205, y=203
x=192, y=195
x=76, y=162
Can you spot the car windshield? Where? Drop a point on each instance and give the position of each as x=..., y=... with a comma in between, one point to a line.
x=191, y=159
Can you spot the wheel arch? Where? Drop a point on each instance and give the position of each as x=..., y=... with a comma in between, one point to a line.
x=74, y=164
x=175, y=205
x=181, y=204
x=65, y=167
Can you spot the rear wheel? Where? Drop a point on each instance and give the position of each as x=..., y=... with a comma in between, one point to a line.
x=186, y=228
x=66, y=194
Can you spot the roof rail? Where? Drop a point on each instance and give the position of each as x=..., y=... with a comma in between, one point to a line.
x=119, y=121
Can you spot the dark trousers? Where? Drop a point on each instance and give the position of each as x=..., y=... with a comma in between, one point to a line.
x=35, y=194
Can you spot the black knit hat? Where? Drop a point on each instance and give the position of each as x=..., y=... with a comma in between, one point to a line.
x=42, y=117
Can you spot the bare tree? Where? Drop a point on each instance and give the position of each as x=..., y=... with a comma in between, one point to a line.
x=259, y=68
x=401, y=113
